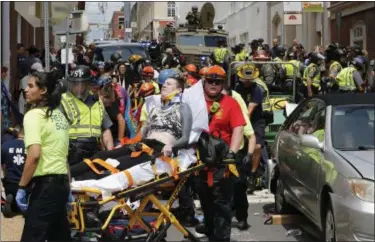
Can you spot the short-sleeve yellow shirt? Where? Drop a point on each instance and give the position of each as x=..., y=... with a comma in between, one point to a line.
x=53, y=135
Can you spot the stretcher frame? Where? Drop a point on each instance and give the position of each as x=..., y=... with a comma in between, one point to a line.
x=146, y=194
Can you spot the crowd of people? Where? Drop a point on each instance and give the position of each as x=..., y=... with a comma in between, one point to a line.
x=64, y=123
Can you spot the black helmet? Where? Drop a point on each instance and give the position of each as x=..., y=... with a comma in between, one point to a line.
x=280, y=51
x=80, y=74
x=357, y=50
x=115, y=57
x=315, y=58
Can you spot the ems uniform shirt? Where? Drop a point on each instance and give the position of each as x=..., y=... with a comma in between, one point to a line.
x=53, y=135
x=252, y=94
x=228, y=117
x=13, y=156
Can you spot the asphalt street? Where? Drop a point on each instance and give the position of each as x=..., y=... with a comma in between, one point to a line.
x=261, y=206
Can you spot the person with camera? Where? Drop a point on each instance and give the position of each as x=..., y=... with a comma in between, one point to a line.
x=215, y=187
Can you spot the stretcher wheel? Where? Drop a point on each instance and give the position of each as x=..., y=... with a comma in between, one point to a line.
x=158, y=235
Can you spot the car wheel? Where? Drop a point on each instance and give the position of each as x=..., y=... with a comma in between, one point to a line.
x=329, y=227
x=281, y=205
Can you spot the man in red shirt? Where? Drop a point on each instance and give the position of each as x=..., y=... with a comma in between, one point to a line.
x=227, y=122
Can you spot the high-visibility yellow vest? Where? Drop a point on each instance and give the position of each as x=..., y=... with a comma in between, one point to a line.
x=85, y=121
x=290, y=69
x=220, y=54
x=345, y=79
x=241, y=56
x=333, y=65
x=277, y=59
x=315, y=80
x=266, y=100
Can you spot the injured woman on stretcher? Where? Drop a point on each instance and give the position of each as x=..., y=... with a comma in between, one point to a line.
x=170, y=127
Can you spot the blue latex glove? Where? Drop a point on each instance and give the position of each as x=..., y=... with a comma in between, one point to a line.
x=21, y=200
x=70, y=200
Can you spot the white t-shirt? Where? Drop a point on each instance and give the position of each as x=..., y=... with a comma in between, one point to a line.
x=21, y=100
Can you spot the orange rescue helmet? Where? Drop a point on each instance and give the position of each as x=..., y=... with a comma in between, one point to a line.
x=190, y=68
x=148, y=71
x=215, y=73
x=203, y=71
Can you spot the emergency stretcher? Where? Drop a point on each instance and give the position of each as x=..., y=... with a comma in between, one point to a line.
x=98, y=202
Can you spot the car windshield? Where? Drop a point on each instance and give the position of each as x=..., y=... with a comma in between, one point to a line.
x=190, y=40
x=124, y=51
x=211, y=41
x=353, y=127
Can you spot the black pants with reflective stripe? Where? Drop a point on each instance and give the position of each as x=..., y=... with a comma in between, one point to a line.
x=216, y=202
x=46, y=216
x=240, y=203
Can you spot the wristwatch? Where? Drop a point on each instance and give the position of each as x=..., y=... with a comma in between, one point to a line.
x=21, y=187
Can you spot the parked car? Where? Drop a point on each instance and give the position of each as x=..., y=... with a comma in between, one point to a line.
x=125, y=50
x=324, y=155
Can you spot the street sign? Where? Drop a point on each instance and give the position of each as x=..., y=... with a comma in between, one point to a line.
x=293, y=19
x=63, y=39
x=313, y=7
x=292, y=7
x=128, y=30
x=133, y=24
x=70, y=56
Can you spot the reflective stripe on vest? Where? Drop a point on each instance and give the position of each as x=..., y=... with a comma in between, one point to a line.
x=290, y=69
x=85, y=121
x=220, y=54
x=315, y=80
x=266, y=100
x=345, y=79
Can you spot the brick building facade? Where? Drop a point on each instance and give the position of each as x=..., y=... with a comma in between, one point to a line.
x=353, y=23
x=118, y=25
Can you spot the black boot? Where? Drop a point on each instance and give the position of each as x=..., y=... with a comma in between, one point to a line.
x=201, y=229
x=251, y=183
x=242, y=225
x=184, y=216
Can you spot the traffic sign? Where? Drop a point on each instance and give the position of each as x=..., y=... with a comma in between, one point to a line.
x=292, y=7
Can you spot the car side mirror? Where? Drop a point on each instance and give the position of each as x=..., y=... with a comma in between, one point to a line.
x=311, y=141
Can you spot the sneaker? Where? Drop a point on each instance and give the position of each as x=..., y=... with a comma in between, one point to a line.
x=7, y=209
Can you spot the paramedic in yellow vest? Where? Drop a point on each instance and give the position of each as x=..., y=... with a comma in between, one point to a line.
x=89, y=122
x=311, y=76
x=221, y=54
x=242, y=55
x=334, y=59
x=243, y=163
x=292, y=71
x=349, y=79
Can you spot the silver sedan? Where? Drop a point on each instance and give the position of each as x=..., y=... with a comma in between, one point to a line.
x=324, y=165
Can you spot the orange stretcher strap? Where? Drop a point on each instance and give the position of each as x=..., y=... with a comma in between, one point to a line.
x=136, y=139
x=91, y=165
x=210, y=178
x=145, y=149
x=130, y=178
x=106, y=165
x=173, y=165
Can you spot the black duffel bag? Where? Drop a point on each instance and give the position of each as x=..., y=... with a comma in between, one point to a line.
x=212, y=149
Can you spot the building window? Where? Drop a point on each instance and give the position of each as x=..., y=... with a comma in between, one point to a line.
x=244, y=38
x=232, y=41
x=121, y=22
x=171, y=9
x=358, y=35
